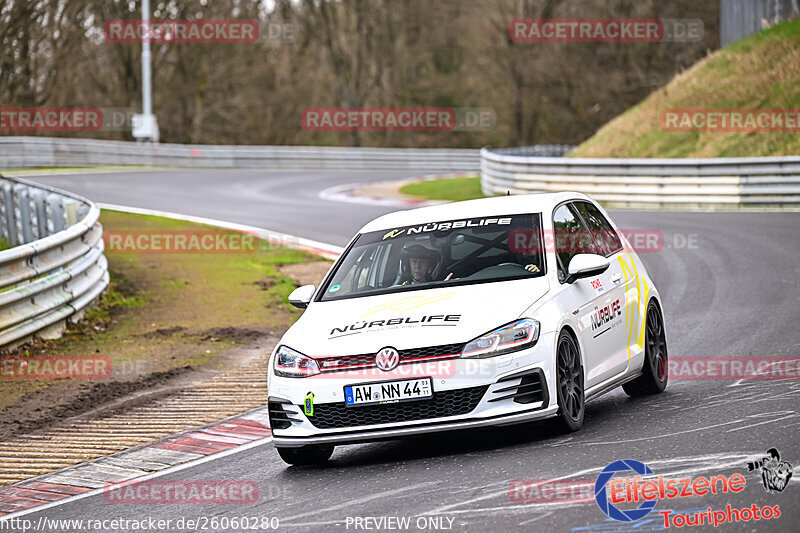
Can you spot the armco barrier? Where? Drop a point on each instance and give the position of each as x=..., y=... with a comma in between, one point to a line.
x=55, y=268
x=720, y=182
x=28, y=152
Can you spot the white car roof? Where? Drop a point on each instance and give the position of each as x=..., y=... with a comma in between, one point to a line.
x=484, y=207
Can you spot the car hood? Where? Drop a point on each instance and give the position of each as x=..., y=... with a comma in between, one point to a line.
x=414, y=319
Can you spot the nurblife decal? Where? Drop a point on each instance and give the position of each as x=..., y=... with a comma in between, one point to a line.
x=363, y=326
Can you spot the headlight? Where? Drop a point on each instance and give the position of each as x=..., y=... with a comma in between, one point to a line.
x=292, y=364
x=509, y=338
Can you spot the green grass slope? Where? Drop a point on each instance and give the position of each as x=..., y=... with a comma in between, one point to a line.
x=759, y=72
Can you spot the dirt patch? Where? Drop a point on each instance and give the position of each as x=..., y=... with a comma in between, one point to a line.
x=384, y=190
x=265, y=284
x=310, y=273
x=234, y=334
x=43, y=407
x=165, y=332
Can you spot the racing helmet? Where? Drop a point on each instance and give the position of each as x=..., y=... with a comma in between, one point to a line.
x=418, y=251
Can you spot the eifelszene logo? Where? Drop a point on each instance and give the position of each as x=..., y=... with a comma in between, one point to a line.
x=601, y=494
x=647, y=489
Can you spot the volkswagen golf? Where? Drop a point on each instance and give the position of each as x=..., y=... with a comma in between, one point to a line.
x=486, y=312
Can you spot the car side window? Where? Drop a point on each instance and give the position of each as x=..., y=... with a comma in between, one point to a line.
x=603, y=235
x=570, y=237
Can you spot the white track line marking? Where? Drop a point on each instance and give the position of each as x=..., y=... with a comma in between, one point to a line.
x=322, y=248
x=790, y=414
x=714, y=462
x=665, y=435
x=361, y=500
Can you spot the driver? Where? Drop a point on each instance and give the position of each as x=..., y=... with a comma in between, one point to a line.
x=417, y=263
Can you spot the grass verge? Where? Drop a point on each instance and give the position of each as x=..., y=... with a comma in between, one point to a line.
x=167, y=314
x=759, y=72
x=448, y=189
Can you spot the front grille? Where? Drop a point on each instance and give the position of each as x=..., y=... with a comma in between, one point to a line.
x=367, y=360
x=444, y=403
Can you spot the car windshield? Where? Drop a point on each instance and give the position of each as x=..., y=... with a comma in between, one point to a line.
x=437, y=254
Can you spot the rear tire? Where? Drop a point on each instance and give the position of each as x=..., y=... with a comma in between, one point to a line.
x=569, y=386
x=655, y=369
x=306, y=455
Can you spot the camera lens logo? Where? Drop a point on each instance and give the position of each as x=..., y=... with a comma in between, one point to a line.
x=387, y=359
x=775, y=473
x=601, y=494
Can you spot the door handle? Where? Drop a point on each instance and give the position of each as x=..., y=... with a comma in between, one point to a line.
x=616, y=278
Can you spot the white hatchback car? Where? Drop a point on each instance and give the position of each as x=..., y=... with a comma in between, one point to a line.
x=476, y=313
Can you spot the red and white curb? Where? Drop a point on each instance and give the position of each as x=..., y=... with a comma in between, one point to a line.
x=346, y=193
x=162, y=457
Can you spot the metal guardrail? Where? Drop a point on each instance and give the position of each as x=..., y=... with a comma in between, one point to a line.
x=55, y=268
x=28, y=152
x=732, y=182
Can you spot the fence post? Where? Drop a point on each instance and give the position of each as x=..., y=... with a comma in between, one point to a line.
x=24, y=200
x=71, y=209
x=57, y=212
x=41, y=214
x=10, y=228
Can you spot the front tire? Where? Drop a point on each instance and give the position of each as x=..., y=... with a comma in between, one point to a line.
x=655, y=369
x=306, y=455
x=569, y=385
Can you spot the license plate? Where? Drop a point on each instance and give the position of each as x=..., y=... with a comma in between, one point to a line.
x=388, y=392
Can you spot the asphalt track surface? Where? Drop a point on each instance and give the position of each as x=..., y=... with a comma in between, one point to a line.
x=730, y=284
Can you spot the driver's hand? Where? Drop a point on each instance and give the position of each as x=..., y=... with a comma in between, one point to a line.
x=532, y=268
x=449, y=277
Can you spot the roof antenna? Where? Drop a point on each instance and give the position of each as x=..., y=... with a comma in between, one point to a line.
x=508, y=193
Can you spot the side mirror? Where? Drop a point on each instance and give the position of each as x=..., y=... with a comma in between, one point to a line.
x=586, y=265
x=301, y=296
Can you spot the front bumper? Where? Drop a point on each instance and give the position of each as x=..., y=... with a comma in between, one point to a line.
x=503, y=390
x=361, y=436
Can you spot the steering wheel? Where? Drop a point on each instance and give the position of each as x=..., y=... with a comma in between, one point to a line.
x=508, y=264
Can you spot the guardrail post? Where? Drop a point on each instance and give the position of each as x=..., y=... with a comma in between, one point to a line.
x=24, y=200
x=10, y=226
x=71, y=210
x=82, y=211
x=56, y=203
x=41, y=214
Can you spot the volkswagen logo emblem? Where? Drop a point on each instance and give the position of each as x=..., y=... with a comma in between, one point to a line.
x=387, y=359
